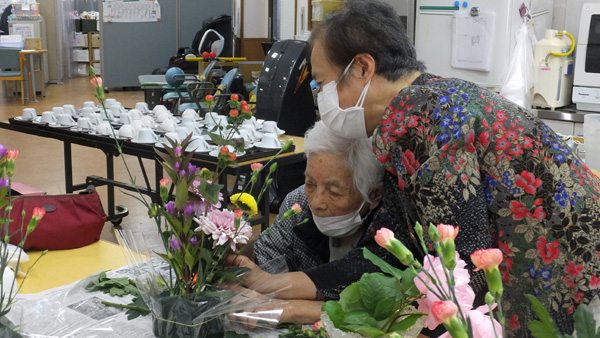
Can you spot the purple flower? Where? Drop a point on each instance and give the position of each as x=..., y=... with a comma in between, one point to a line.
x=176, y=166
x=3, y=182
x=3, y=150
x=182, y=173
x=194, y=240
x=188, y=211
x=170, y=207
x=192, y=168
x=174, y=244
x=177, y=151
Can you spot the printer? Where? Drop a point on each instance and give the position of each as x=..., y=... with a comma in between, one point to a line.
x=586, y=83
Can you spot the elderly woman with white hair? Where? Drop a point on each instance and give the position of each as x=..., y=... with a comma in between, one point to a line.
x=341, y=200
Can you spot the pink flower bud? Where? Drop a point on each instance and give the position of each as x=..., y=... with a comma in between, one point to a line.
x=447, y=232
x=177, y=151
x=38, y=213
x=487, y=259
x=164, y=182
x=96, y=81
x=238, y=214
x=383, y=237
x=317, y=325
x=256, y=166
x=297, y=208
x=444, y=310
x=12, y=155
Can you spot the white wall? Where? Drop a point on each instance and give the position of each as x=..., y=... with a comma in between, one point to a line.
x=256, y=19
x=567, y=14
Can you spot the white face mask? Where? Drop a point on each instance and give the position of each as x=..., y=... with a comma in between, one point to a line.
x=339, y=226
x=349, y=122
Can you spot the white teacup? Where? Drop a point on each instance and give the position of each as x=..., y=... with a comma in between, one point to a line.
x=127, y=131
x=48, y=117
x=183, y=132
x=198, y=144
x=125, y=118
x=116, y=109
x=89, y=104
x=29, y=113
x=69, y=109
x=148, y=122
x=137, y=125
x=65, y=120
x=136, y=114
x=192, y=128
x=84, y=123
x=163, y=116
x=168, y=125
x=146, y=135
x=96, y=118
x=248, y=139
x=87, y=111
x=110, y=102
x=251, y=131
x=187, y=119
x=270, y=127
x=270, y=140
x=159, y=108
x=190, y=113
x=58, y=110
x=251, y=122
x=143, y=107
x=173, y=136
x=104, y=128
x=211, y=118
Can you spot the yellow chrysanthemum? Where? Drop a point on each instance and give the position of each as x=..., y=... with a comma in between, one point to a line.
x=245, y=202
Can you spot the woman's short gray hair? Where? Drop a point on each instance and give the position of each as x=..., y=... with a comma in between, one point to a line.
x=357, y=154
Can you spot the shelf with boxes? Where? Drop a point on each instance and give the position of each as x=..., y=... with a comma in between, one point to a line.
x=86, y=52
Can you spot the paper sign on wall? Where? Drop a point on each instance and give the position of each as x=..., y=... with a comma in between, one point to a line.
x=130, y=11
x=473, y=40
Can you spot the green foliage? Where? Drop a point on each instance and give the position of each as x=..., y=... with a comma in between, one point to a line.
x=113, y=286
x=545, y=327
x=296, y=331
x=373, y=306
x=585, y=325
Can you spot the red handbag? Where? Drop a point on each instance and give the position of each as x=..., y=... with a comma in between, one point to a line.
x=71, y=221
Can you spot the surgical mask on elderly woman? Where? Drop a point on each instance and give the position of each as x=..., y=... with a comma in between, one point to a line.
x=349, y=122
x=339, y=226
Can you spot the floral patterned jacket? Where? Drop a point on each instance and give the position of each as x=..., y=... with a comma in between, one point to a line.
x=459, y=154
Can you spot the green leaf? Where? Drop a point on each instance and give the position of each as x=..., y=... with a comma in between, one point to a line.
x=350, y=298
x=384, y=308
x=405, y=323
x=585, y=325
x=359, y=318
x=181, y=194
x=364, y=330
x=376, y=286
x=335, y=312
x=115, y=291
x=544, y=328
x=408, y=284
x=210, y=191
x=383, y=265
x=190, y=261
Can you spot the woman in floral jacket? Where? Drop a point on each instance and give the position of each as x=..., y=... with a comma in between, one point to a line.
x=460, y=154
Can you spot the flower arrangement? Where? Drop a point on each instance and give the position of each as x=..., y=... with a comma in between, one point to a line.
x=10, y=257
x=440, y=287
x=198, y=231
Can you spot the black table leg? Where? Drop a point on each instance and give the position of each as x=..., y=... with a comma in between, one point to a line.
x=68, y=167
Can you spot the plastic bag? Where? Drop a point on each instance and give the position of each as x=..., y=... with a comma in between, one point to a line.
x=520, y=76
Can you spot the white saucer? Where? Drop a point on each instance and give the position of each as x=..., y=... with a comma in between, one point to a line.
x=54, y=125
x=260, y=146
x=135, y=140
x=84, y=130
x=215, y=152
x=21, y=118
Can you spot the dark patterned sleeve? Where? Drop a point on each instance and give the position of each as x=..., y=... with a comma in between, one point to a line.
x=429, y=140
x=278, y=239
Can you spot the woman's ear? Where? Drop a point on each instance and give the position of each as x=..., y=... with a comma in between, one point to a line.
x=366, y=64
x=375, y=196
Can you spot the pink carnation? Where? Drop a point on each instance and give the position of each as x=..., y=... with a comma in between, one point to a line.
x=481, y=323
x=464, y=293
x=221, y=226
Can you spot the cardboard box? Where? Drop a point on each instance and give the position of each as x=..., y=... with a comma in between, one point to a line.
x=80, y=40
x=82, y=69
x=33, y=43
x=81, y=55
x=96, y=54
x=97, y=68
x=96, y=40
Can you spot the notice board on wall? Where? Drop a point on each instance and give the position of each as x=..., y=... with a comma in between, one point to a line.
x=130, y=11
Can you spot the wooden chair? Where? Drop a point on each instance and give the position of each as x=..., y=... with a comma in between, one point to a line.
x=11, y=68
